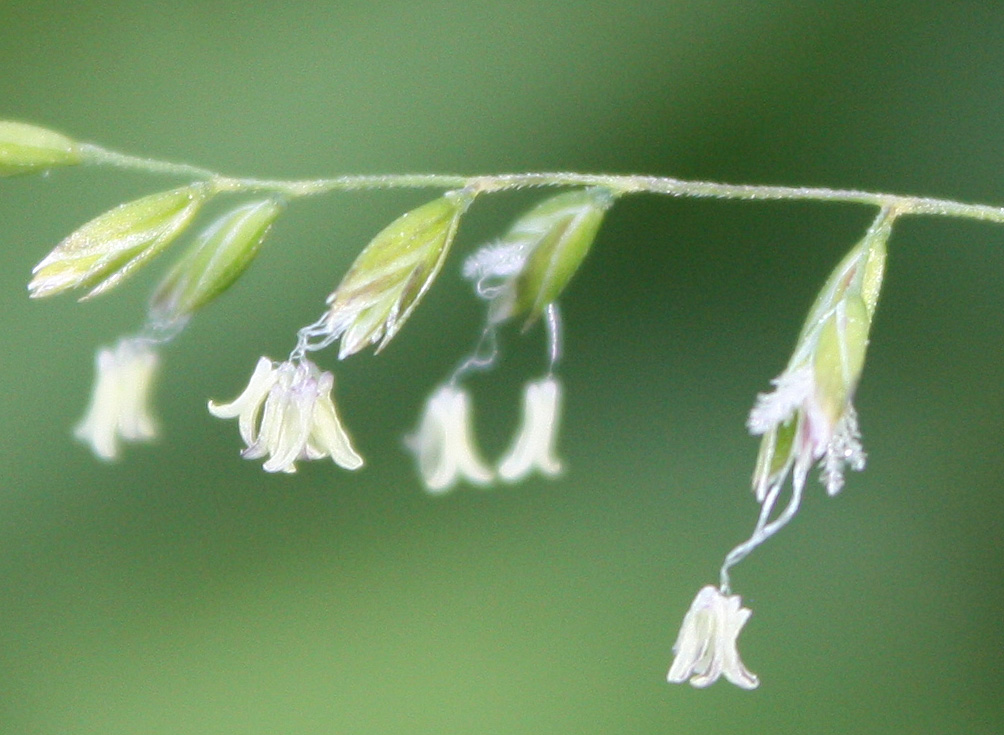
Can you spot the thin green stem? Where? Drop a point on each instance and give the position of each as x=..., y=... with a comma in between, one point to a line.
x=94, y=154
x=619, y=184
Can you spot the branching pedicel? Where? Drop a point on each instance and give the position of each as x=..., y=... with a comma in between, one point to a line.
x=286, y=414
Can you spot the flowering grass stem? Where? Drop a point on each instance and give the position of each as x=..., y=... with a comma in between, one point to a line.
x=619, y=184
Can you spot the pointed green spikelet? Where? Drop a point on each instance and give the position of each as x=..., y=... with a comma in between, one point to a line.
x=26, y=149
x=111, y=246
x=809, y=416
x=553, y=238
x=390, y=276
x=219, y=255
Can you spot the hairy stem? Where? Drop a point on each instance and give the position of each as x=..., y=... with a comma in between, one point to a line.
x=619, y=184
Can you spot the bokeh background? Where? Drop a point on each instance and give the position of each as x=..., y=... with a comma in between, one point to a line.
x=183, y=590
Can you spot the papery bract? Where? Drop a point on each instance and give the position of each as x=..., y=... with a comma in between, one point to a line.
x=286, y=414
x=443, y=445
x=119, y=403
x=533, y=447
x=706, y=647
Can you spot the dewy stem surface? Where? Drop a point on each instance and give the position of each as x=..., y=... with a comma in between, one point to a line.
x=619, y=184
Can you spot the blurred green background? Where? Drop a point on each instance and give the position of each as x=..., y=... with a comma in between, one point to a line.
x=183, y=590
